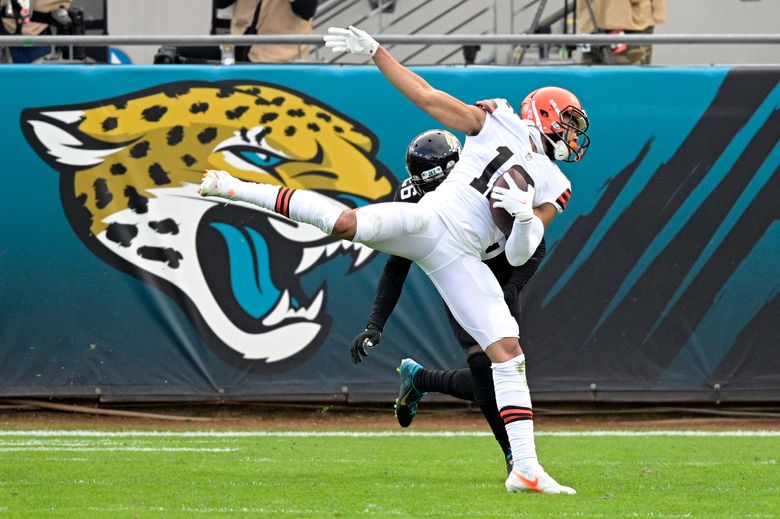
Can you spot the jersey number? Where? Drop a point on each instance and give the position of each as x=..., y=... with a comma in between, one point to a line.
x=504, y=154
x=408, y=192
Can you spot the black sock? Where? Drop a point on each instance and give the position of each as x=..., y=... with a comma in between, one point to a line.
x=455, y=383
x=485, y=397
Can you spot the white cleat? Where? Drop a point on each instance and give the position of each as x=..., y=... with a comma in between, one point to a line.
x=216, y=182
x=539, y=481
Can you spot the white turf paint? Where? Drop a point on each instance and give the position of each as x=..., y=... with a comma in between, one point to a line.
x=368, y=434
x=59, y=448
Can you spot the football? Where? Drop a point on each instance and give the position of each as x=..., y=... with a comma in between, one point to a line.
x=503, y=219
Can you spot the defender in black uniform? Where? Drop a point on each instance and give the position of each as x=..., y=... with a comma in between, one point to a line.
x=429, y=159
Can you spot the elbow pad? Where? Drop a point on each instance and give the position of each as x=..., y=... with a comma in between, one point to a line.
x=523, y=240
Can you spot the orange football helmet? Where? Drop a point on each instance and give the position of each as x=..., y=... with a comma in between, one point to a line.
x=560, y=117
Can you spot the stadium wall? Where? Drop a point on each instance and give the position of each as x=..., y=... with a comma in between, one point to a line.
x=660, y=284
x=469, y=17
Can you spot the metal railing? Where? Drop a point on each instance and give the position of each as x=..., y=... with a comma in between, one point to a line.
x=399, y=39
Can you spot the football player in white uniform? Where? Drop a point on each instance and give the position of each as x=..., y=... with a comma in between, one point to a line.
x=448, y=229
x=430, y=157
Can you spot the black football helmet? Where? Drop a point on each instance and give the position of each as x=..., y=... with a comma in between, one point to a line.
x=430, y=157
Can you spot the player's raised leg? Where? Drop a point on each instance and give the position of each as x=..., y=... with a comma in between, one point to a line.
x=297, y=204
x=407, y=230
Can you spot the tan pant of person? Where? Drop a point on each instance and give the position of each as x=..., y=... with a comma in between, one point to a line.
x=633, y=55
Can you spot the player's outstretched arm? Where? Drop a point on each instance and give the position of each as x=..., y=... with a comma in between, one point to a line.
x=447, y=110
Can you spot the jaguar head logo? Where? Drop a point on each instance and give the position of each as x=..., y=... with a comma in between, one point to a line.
x=129, y=168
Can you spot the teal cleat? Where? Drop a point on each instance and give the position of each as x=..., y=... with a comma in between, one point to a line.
x=408, y=396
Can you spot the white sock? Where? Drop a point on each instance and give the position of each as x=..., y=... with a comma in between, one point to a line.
x=296, y=204
x=514, y=404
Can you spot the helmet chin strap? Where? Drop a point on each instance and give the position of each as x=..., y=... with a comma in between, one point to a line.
x=560, y=150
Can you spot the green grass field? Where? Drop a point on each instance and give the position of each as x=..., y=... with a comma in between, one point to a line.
x=179, y=474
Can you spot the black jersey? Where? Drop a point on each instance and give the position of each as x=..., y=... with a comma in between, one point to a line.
x=407, y=192
x=391, y=281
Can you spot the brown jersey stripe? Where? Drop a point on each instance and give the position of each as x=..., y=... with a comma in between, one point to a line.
x=564, y=198
x=488, y=105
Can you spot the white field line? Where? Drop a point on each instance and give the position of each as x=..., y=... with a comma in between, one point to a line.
x=57, y=448
x=211, y=511
x=366, y=434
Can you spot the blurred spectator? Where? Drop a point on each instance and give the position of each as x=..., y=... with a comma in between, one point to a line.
x=272, y=17
x=249, y=17
x=39, y=23
x=619, y=17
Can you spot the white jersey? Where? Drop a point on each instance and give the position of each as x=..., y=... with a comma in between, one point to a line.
x=504, y=142
x=408, y=192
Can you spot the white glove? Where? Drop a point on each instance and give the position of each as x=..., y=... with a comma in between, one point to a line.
x=514, y=200
x=351, y=40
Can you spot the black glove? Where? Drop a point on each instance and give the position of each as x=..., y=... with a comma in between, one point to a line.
x=368, y=338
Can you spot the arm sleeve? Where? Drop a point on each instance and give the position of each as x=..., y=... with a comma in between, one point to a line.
x=388, y=290
x=523, y=240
